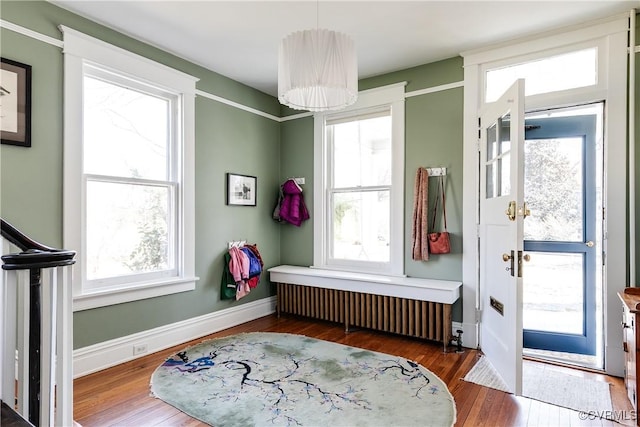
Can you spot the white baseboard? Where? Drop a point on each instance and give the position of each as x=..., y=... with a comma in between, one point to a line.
x=113, y=352
x=469, y=333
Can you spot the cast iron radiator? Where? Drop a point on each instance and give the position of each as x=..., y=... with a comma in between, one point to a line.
x=421, y=319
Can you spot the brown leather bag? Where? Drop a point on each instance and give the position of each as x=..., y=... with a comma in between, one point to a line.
x=439, y=242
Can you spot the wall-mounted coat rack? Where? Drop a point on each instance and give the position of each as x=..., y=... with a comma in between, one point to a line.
x=437, y=171
x=236, y=244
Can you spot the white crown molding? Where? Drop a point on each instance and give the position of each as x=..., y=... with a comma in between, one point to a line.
x=30, y=33
x=236, y=105
x=433, y=89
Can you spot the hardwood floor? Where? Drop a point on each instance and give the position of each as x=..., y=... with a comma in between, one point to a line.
x=119, y=396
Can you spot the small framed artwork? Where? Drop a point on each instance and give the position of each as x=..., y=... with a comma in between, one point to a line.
x=241, y=189
x=15, y=103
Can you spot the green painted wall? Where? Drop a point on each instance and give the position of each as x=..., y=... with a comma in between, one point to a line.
x=31, y=178
x=227, y=140
x=433, y=137
x=296, y=159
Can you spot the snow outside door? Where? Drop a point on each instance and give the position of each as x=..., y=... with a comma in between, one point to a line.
x=501, y=233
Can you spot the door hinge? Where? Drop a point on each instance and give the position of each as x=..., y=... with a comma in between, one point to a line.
x=478, y=315
x=479, y=131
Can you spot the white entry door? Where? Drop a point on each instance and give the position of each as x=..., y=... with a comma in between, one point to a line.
x=501, y=233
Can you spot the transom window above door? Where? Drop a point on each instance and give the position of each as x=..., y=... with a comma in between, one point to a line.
x=569, y=70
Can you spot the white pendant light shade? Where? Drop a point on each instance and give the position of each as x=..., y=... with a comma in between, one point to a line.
x=317, y=70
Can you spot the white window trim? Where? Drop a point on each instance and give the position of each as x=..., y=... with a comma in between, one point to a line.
x=610, y=35
x=392, y=95
x=78, y=48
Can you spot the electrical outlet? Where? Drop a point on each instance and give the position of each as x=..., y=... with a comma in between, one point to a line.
x=140, y=349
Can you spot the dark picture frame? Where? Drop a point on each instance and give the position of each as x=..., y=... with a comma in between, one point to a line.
x=242, y=190
x=15, y=103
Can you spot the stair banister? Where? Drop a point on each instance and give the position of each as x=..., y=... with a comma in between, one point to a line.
x=37, y=325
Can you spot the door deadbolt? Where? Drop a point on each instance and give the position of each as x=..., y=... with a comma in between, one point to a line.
x=524, y=211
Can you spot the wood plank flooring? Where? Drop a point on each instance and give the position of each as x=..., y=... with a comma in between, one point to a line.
x=119, y=396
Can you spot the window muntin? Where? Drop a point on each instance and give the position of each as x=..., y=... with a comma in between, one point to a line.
x=565, y=71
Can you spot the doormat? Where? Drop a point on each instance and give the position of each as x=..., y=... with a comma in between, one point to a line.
x=548, y=385
x=267, y=379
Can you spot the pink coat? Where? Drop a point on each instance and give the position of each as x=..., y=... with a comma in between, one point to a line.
x=239, y=269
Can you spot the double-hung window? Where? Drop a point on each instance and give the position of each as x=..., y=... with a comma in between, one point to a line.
x=359, y=184
x=128, y=174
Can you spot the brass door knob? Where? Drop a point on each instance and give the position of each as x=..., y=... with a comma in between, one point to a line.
x=589, y=244
x=526, y=257
x=506, y=257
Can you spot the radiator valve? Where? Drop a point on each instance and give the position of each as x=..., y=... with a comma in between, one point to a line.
x=458, y=341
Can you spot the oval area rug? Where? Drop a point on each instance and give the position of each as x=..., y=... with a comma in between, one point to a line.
x=267, y=378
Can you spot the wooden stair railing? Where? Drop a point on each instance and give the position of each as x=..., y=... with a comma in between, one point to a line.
x=36, y=297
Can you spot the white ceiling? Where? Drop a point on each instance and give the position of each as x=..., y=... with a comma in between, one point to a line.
x=239, y=39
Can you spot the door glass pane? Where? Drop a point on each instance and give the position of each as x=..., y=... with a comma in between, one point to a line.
x=498, y=167
x=492, y=142
x=505, y=174
x=553, y=292
x=491, y=181
x=553, y=189
x=126, y=132
x=492, y=152
x=361, y=225
x=504, y=162
x=362, y=152
x=128, y=229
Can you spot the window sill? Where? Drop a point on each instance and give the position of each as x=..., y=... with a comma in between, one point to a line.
x=106, y=297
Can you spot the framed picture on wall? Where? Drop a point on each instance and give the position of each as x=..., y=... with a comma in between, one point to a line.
x=241, y=189
x=15, y=103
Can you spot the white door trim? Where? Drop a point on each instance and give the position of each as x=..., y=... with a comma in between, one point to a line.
x=614, y=35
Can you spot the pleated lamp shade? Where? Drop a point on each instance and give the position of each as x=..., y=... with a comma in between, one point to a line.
x=317, y=70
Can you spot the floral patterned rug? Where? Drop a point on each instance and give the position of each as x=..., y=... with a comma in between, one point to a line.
x=263, y=378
